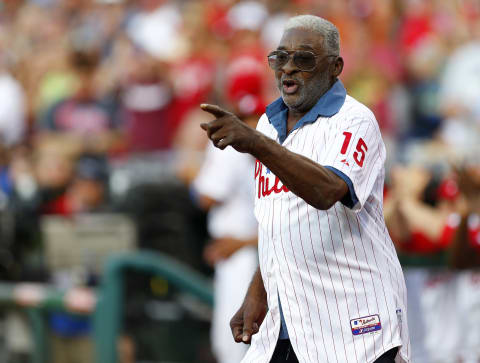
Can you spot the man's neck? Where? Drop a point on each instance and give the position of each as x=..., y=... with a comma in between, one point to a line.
x=292, y=118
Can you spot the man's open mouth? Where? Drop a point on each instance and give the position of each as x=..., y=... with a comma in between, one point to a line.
x=289, y=86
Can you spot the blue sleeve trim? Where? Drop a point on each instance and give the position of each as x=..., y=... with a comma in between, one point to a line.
x=350, y=199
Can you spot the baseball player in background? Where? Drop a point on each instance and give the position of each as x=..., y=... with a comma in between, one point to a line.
x=329, y=287
x=224, y=187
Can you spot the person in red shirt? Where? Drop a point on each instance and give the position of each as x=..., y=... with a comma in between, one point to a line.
x=418, y=227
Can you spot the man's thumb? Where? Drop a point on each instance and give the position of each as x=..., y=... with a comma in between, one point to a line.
x=247, y=330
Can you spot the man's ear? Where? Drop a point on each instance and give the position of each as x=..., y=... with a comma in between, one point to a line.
x=337, y=67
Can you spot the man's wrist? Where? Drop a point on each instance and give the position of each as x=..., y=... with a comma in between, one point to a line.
x=256, y=289
x=260, y=298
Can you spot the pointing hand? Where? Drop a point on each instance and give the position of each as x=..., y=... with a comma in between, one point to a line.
x=228, y=129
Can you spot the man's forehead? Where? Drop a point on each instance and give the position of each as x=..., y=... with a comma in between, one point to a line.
x=301, y=38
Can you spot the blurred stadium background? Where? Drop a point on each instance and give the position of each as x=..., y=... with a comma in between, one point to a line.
x=100, y=242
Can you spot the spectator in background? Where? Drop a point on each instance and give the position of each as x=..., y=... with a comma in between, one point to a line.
x=459, y=95
x=194, y=74
x=87, y=192
x=84, y=117
x=466, y=247
x=41, y=33
x=155, y=28
x=146, y=98
x=420, y=211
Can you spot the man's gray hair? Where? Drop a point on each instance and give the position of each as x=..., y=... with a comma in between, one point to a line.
x=326, y=29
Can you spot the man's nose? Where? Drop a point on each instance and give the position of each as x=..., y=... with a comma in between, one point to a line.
x=290, y=67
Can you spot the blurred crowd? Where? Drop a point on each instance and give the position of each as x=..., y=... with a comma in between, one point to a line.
x=99, y=111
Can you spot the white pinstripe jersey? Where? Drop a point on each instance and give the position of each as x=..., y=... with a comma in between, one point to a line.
x=336, y=272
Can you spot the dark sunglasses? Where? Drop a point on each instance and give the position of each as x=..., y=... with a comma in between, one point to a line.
x=304, y=60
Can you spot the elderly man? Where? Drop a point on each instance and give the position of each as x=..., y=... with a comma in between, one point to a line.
x=329, y=287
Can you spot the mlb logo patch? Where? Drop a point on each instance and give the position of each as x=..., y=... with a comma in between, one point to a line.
x=366, y=324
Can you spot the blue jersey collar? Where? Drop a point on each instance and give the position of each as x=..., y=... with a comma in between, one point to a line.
x=328, y=105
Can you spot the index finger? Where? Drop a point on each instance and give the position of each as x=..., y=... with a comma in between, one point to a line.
x=215, y=110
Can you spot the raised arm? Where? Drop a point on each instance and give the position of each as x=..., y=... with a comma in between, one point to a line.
x=317, y=185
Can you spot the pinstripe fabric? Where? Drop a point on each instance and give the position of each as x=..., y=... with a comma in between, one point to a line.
x=329, y=267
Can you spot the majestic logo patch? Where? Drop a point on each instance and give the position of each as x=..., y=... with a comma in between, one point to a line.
x=367, y=324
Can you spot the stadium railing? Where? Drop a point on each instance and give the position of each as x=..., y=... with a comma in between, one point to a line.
x=107, y=314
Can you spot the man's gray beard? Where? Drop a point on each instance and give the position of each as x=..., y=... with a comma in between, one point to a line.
x=306, y=97
x=309, y=95
x=299, y=99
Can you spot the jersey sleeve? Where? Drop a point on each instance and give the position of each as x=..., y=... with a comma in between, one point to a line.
x=356, y=154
